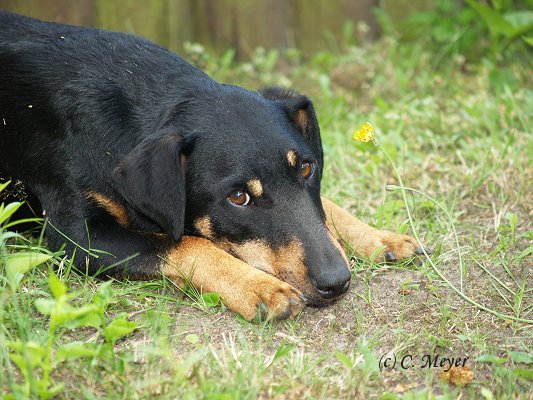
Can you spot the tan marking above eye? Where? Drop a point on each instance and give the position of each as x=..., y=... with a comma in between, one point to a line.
x=306, y=169
x=239, y=198
x=291, y=158
x=302, y=119
x=255, y=187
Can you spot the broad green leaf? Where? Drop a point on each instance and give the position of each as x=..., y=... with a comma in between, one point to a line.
x=522, y=30
x=70, y=317
x=118, y=328
x=519, y=19
x=528, y=40
x=4, y=185
x=192, y=338
x=524, y=373
x=9, y=210
x=75, y=350
x=427, y=204
x=486, y=393
x=33, y=347
x=75, y=317
x=211, y=299
x=57, y=287
x=491, y=358
x=17, y=264
x=521, y=357
x=496, y=23
x=45, y=306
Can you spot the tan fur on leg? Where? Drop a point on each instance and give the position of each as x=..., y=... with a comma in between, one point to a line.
x=363, y=238
x=242, y=287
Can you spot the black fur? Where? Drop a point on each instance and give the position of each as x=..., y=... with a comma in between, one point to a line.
x=85, y=110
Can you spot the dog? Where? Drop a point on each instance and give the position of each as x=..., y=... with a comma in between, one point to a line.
x=129, y=149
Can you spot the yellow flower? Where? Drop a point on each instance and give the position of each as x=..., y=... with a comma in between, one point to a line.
x=365, y=134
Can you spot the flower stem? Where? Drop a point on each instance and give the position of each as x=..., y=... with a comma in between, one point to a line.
x=459, y=291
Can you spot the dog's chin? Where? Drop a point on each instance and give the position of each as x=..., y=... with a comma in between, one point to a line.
x=314, y=300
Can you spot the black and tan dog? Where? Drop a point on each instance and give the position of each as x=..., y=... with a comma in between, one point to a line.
x=129, y=149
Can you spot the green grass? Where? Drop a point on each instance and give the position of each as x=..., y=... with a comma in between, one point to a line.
x=461, y=135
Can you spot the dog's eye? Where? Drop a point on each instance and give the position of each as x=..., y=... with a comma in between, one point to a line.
x=306, y=169
x=239, y=198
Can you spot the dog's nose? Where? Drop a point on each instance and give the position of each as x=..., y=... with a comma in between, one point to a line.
x=334, y=289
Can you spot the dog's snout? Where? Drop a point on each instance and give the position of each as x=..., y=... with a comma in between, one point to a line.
x=331, y=288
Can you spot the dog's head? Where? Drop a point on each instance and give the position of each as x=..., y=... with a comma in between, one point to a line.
x=243, y=169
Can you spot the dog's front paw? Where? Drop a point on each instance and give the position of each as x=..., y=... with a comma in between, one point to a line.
x=381, y=245
x=269, y=298
x=397, y=246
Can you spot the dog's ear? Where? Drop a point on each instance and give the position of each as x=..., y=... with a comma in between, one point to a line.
x=152, y=181
x=300, y=111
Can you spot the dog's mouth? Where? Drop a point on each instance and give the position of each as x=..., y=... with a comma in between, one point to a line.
x=322, y=287
x=314, y=296
x=322, y=303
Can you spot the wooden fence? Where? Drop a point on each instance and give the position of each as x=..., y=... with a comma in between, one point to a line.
x=309, y=25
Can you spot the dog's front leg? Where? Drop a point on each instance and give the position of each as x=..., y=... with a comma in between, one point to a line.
x=242, y=287
x=366, y=240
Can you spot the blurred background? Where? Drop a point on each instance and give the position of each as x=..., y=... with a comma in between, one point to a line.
x=307, y=25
